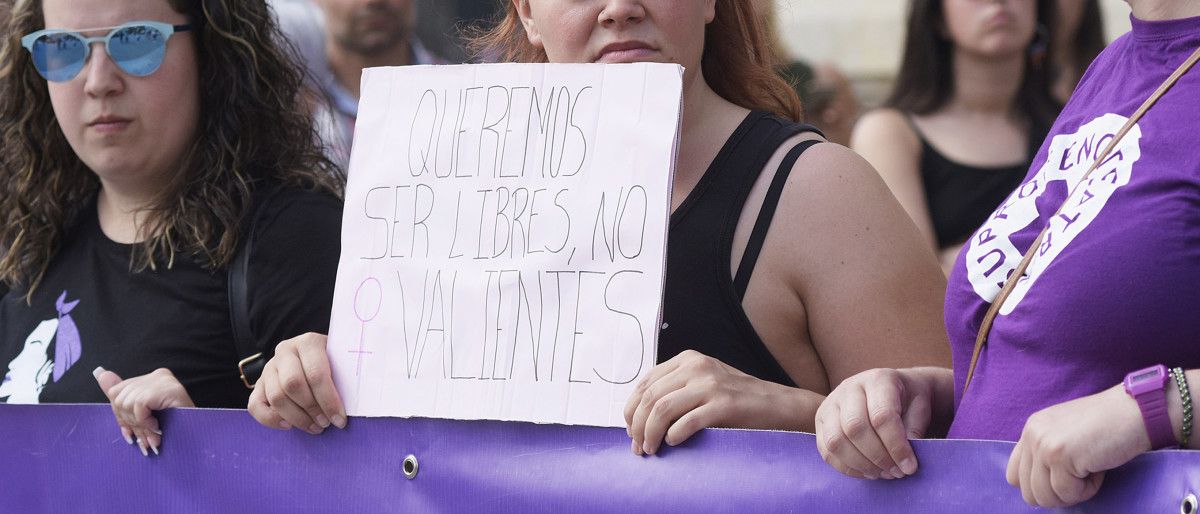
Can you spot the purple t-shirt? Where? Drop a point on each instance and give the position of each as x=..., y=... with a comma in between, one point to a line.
x=1115, y=286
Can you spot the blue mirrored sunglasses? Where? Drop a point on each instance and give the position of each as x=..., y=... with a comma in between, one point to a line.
x=136, y=47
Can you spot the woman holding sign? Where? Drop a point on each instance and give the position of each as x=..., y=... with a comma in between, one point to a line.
x=145, y=143
x=1072, y=311
x=761, y=319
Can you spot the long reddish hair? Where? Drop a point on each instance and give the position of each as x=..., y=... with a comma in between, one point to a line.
x=739, y=60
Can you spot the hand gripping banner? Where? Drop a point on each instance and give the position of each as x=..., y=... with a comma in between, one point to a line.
x=71, y=458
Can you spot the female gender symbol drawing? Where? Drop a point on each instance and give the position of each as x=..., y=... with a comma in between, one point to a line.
x=362, y=305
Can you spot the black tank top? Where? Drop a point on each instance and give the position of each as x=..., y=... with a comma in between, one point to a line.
x=702, y=304
x=961, y=197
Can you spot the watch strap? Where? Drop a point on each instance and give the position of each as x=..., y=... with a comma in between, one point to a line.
x=1153, y=405
x=1148, y=387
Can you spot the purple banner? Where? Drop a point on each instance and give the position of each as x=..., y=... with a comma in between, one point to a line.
x=71, y=458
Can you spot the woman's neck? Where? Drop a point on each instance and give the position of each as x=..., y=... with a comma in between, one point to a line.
x=1160, y=10
x=122, y=212
x=699, y=103
x=708, y=119
x=987, y=86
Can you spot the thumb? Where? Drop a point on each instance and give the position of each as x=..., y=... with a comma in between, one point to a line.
x=108, y=382
x=917, y=417
x=1094, y=481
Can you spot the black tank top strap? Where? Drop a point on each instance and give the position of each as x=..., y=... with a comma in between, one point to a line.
x=758, y=236
x=701, y=310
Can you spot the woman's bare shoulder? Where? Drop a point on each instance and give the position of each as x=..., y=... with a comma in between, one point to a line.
x=838, y=209
x=885, y=126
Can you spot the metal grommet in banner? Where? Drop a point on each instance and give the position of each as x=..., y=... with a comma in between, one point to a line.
x=1189, y=505
x=410, y=467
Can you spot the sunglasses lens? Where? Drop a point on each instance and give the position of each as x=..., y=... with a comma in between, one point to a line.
x=138, y=50
x=59, y=57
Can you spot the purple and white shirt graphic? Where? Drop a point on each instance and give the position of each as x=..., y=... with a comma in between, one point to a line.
x=29, y=372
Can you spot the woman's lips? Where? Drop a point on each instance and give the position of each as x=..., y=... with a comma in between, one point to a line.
x=1002, y=19
x=109, y=125
x=625, y=52
x=113, y=126
x=625, y=56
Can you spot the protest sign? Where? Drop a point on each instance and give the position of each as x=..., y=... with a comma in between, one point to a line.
x=504, y=240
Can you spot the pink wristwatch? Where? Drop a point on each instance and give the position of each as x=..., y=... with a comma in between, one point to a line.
x=1149, y=388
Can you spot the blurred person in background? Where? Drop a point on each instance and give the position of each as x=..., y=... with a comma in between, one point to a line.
x=969, y=109
x=826, y=94
x=828, y=98
x=336, y=40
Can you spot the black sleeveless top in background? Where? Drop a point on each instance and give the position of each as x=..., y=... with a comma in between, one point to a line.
x=961, y=197
x=702, y=305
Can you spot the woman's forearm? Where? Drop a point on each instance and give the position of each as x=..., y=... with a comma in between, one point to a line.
x=791, y=408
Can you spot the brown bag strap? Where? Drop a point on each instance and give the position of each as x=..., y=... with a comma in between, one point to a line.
x=1014, y=278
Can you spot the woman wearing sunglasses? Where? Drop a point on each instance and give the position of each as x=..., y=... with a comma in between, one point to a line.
x=145, y=141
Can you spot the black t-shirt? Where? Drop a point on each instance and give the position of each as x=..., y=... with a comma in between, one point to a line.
x=91, y=310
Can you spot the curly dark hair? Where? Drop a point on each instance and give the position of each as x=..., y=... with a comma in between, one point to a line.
x=254, y=129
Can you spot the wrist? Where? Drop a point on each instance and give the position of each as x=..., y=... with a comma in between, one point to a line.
x=1149, y=388
x=788, y=408
x=938, y=383
x=1127, y=417
x=931, y=379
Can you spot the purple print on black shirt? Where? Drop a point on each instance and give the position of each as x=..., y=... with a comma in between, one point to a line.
x=29, y=372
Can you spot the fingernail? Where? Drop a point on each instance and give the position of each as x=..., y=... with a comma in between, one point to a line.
x=128, y=438
x=315, y=429
x=142, y=447
x=96, y=372
x=871, y=476
x=155, y=448
x=323, y=421
x=159, y=432
x=648, y=449
x=895, y=472
x=637, y=450
x=285, y=425
x=908, y=466
x=339, y=421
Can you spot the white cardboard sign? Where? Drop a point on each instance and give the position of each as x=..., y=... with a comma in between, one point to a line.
x=504, y=240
